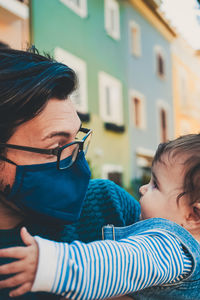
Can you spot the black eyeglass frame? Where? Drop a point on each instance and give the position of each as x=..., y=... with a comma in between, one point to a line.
x=56, y=151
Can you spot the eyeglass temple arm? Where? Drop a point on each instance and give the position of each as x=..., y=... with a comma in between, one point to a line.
x=85, y=130
x=29, y=149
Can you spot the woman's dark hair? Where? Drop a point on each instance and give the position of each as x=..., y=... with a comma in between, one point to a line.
x=4, y=45
x=27, y=81
x=188, y=148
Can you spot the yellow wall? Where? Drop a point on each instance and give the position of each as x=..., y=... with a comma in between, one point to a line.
x=186, y=64
x=14, y=26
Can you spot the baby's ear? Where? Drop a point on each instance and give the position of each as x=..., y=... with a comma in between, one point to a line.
x=192, y=218
x=193, y=213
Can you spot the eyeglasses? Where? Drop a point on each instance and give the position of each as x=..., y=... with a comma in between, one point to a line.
x=65, y=155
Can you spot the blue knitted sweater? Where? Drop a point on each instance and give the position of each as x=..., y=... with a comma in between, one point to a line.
x=105, y=203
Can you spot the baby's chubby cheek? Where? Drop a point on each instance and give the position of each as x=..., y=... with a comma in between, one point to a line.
x=141, y=208
x=146, y=209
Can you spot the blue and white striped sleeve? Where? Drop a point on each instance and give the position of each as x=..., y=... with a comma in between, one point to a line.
x=108, y=268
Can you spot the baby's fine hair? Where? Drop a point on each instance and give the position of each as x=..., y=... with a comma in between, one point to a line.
x=188, y=148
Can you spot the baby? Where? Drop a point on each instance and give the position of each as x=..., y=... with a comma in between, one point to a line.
x=155, y=258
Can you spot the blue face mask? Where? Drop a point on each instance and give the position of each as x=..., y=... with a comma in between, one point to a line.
x=48, y=193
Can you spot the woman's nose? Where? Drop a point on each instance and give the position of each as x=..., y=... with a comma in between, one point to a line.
x=143, y=189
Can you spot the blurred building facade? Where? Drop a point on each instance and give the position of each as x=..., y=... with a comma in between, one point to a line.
x=186, y=88
x=149, y=73
x=121, y=53
x=87, y=36
x=138, y=80
x=14, y=23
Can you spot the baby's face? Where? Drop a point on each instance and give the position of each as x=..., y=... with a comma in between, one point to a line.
x=159, y=196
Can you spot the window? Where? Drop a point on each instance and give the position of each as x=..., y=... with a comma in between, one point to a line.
x=138, y=109
x=163, y=124
x=16, y=10
x=163, y=121
x=78, y=6
x=114, y=173
x=112, y=18
x=160, y=62
x=24, y=1
x=144, y=157
x=110, y=99
x=79, y=97
x=135, y=39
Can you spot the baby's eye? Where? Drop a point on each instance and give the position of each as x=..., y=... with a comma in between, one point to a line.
x=154, y=184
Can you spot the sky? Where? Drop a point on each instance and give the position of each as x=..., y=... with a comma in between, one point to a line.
x=183, y=16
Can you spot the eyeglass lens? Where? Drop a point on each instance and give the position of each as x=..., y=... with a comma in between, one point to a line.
x=71, y=152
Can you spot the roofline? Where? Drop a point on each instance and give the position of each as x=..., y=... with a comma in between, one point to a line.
x=149, y=8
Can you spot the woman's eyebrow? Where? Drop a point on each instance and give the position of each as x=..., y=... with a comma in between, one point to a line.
x=56, y=133
x=59, y=133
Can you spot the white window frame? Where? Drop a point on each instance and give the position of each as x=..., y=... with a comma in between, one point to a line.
x=135, y=94
x=158, y=50
x=80, y=10
x=109, y=168
x=135, y=44
x=114, y=6
x=161, y=104
x=79, y=66
x=115, y=85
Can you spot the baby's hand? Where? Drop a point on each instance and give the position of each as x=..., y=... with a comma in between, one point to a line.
x=24, y=268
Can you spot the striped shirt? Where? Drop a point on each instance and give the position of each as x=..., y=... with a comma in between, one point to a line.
x=108, y=268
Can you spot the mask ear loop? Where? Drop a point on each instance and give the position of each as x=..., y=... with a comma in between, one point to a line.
x=7, y=160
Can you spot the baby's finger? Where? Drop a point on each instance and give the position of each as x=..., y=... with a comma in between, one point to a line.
x=26, y=237
x=13, y=281
x=13, y=252
x=24, y=288
x=12, y=268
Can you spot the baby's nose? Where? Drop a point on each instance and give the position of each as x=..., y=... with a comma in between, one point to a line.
x=143, y=189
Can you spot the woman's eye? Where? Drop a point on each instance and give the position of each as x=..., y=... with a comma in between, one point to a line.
x=51, y=157
x=62, y=143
